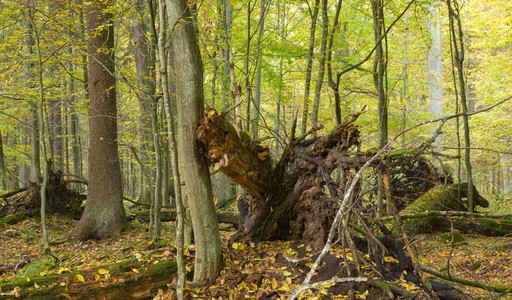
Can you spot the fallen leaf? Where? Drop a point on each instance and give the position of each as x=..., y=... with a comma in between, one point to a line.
x=103, y=271
x=79, y=278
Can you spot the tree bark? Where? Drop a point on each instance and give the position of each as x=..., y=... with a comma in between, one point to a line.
x=309, y=67
x=321, y=64
x=104, y=213
x=457, y=40
x=192, y=164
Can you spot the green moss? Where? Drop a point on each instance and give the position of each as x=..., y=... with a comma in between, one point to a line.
x=12, y=219
x=158, y=285
x=167, y=267
x=454, y=236
x=492, y=226
x=38, y=266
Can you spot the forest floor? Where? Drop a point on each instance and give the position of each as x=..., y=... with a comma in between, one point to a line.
x=249, y=271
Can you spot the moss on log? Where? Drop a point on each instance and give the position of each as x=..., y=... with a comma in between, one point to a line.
x=440, y=198
x=121, y=282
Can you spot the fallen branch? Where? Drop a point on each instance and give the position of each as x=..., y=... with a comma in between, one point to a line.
x=12, y=193
x=450, y=214
x=497, y=289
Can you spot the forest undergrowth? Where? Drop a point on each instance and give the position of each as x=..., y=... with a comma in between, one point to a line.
x=268, y=270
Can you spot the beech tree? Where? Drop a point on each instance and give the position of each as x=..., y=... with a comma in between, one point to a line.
x=104, y=213
x=192, y=164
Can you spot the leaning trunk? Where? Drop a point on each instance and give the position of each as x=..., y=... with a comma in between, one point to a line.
x=192, y=165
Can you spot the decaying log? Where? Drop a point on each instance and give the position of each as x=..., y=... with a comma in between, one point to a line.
x=60, y=199
x=440, y=198
x=287, y=197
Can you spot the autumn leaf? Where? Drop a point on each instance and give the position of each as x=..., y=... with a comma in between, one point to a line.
x=62, y=270
x=103, y=271
x=79, y=278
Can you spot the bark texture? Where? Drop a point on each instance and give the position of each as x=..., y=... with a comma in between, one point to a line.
x=104, y=213
x=192, y=164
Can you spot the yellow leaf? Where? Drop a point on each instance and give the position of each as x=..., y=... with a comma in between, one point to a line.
x=96, y=277
x=135, y=270
x=36, y=285
x=284, y=288
x=62, y=270
x=274, y=284
x=103, y=271
x=62, y=284
x=286, y=273
x=79, y=278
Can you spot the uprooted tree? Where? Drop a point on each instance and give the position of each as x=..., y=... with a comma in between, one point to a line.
x=296, y=197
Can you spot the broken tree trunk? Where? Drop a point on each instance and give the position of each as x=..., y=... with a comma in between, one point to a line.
x=287, y=197
x=440, y=198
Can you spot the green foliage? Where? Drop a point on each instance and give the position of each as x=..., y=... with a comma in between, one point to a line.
x=452, y=237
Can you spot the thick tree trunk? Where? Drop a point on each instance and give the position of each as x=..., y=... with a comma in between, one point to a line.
x=104, y=213
x=192, y=164
x=287, y=198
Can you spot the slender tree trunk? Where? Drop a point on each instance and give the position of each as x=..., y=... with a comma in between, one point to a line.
x=35, y=166
x=458, y=48
x=193, y=166
x=257, y=89
x=248, y=89
x=180, y=209
x=104, y=213
x=435, y=75
x=335, y=85
x=379, y=70
x=23, y=175
x=309, y=68
x=321, y=65
x=40, y=114
x=6, y=182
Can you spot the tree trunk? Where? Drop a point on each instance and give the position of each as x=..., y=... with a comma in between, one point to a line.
x=309, y=67
x=192, y=164
x=457, y=39
x=321, y=64
x=104, y=213
x=6, y=182
x=435, y=75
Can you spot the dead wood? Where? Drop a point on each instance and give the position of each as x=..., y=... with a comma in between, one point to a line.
x=440, y=198
x=287, y=200
x=60, y=199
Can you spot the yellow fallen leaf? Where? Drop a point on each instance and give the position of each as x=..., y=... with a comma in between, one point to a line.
x=135, y=270
x=96, y=277
x=62, y=284
x=79, y=278
x=36, y=285
x=274, y=284
x=284, y=288
x=286, y=273
x=103, y=271
x=62, y=270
